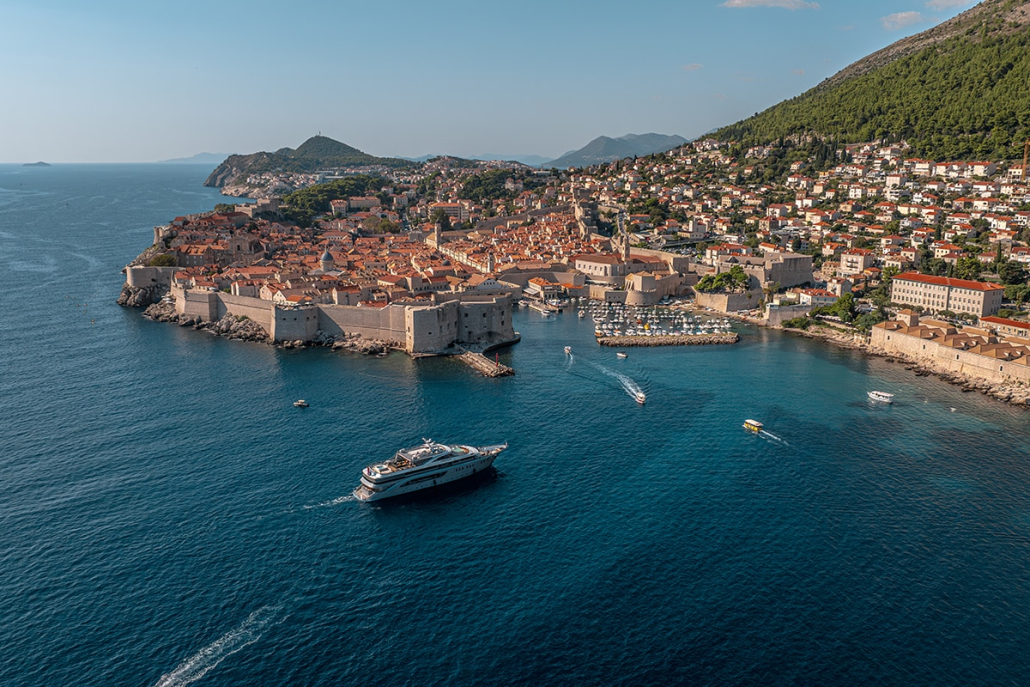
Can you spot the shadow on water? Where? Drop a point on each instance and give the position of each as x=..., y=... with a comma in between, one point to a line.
x=441, y=494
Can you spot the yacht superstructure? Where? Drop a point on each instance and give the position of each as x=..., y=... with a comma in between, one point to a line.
x=420, y=467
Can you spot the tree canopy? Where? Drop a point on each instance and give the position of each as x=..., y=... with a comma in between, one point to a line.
x=963, y=98
x=304, y=205
x=736, y=280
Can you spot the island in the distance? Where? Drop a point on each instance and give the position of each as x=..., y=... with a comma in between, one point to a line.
x=36, y=164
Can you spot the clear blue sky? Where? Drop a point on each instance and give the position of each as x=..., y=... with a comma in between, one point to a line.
x=124, y=80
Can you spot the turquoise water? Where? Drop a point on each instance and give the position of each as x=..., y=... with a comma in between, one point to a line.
x=168, y=518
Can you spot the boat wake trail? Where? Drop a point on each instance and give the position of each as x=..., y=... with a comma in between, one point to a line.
x=770, y=435
x=628, y=385
x=335, y=502
x=571, y=359
x=201, y=663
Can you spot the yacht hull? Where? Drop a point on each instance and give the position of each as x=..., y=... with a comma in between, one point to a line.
x=426, y=479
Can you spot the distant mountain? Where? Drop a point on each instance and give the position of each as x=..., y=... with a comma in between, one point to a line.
x=315, y=154
x=36, y=164
x=956, y=91
x=198, y=159
x=605, y=149
x=531, y=160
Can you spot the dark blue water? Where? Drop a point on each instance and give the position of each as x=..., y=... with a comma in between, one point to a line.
x=168, y=518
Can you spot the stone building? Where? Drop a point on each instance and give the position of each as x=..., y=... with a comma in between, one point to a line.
x=937, y=294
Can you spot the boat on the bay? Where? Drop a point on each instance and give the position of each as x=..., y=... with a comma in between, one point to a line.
x=620, y=354
x=568, y=350
x=421, y=467
x=881, y=396
x=753, y=426
x=300, y=403
x=641, y=397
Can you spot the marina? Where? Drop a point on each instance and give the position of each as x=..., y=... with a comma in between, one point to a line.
x=620, y=325
x=669, y=340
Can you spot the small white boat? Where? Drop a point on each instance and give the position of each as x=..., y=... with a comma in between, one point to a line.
x=301, y=403
x=881, y=396
x=753, y=426
x=620, y=354
x=568, y=350
x=641, y=398
x=582, y=314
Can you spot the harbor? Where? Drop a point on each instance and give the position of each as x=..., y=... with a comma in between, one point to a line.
x=669, y=340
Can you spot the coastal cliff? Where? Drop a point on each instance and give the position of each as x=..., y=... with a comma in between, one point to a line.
x=140, y=297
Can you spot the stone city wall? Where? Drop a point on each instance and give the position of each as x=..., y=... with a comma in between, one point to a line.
x=242, y=306
x=430, y=328
x=950, y=359
x=142, y=277
x=382, y=324
x=729, y=302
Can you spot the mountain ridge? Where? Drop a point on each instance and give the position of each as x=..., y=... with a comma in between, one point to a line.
x=957, y=90
x=606, y=149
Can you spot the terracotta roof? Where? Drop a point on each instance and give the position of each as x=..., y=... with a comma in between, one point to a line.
x=1005, y=322
x=948, y=281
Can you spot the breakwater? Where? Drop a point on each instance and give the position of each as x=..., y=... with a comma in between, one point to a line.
x=486, y=367
x=668, y=340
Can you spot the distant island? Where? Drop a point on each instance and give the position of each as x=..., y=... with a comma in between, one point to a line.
x=199, y=158
x=36, y=164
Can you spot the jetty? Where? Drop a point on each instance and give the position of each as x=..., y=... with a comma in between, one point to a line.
x=669, y=340
x=545, y=308
x=485, y=366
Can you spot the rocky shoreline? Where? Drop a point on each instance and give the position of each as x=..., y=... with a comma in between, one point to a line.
x=244, y=329
x=1012, y=393
x=136, y=297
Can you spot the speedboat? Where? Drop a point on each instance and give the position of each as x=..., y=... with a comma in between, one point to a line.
x=881, y=396
x=421, y=467
x=641, y=397
x=620, y=354
x=753, y=426
x=568, y=350
x=301, y=403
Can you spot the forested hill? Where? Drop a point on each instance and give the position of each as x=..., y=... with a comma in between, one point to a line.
x=316, y=153
x=958, y=91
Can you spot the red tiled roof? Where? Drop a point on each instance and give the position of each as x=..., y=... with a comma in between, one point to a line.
x=1005, y=322
x=948, y=281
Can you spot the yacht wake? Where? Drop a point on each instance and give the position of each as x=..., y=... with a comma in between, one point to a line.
x=628, y=385
x=334, y=502
x=201, y=663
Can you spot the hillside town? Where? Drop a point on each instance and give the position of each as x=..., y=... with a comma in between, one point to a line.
x=845, y=240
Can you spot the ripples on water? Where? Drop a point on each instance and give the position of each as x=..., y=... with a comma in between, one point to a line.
x=167, y=517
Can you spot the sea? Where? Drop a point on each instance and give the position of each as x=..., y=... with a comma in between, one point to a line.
x=168, y=518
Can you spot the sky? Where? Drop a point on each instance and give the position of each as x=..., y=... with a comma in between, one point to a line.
x=130, y=81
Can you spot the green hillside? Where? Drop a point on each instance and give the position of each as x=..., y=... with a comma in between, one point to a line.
x=315, y=154
x=958, y=91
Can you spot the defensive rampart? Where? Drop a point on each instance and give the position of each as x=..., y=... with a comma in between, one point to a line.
x=420, y=328
x=994, y=367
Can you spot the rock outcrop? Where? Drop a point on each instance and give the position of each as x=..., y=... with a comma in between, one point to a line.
x=230, y=326
x=137, y=297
